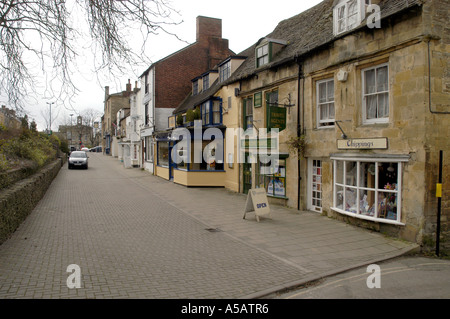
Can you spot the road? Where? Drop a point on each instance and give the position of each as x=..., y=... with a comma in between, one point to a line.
x=128, y=242
x=402, y=278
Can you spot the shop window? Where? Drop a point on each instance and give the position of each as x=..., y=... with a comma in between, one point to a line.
x=163, y=154
x=272, y=177
x=368, y=189
x=208, y=154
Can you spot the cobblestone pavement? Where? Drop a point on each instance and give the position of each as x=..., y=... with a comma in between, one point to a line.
x=135, y=235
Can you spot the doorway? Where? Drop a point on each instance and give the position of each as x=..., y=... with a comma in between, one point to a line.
x=315, y=185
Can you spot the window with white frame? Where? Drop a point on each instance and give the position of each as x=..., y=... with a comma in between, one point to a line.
x=376, y=94
x=368, y=188
x=262, y=55
x=325, y=103
x=348, y=14
x=149, y=149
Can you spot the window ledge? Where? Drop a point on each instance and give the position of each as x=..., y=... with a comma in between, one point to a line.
x=381, y=124
x=276, y=196
x=373, y=219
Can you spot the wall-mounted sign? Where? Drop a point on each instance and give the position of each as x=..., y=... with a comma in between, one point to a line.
x=276, y=117
x=363, y=144
x=172, y=121
x=257, y=202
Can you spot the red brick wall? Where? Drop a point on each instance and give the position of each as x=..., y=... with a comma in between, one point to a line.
x=173, y=74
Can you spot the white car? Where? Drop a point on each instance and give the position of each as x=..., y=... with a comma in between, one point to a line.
x=78, y=159
x=85, y=149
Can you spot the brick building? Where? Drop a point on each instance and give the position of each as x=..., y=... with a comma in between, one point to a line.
x=167, y=82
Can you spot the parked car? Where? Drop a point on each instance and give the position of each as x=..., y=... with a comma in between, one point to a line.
x=96, y=149
x=85, y=149
x=78, y=159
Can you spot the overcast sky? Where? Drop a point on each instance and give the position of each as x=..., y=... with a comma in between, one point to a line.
x=243, y=23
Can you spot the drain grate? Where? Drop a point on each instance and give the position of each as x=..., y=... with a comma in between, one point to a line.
x=213, y=230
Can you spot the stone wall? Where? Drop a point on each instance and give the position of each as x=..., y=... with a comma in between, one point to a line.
x=19, y=199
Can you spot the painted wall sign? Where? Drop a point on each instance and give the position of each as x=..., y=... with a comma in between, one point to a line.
x=257, y=202
x=363, y=144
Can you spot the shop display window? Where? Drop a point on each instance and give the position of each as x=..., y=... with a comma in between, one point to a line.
x=370, y=189
x=273, y=177
x=163, y=154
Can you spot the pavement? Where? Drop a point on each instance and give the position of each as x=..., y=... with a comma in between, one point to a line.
x=134, y=235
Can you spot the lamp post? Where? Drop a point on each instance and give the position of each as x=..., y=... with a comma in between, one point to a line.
x=71, y=129
x=50, y=126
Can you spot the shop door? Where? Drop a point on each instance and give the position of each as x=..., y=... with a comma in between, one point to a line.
x=247, y=174
x=315, y=185
x=172, y=162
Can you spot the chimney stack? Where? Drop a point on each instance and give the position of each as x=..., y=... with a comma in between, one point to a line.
x=208, y=28
x=106, y=92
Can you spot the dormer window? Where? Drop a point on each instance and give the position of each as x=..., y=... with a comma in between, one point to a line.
x=195, y=87
x=262, y=55
x=205, y=82
x=348, y=14
x=267, y=50
x=225, y=71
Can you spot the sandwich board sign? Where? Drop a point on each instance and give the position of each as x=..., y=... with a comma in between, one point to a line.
x=257, y=202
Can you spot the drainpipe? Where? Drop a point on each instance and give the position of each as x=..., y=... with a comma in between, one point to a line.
x=300, y=119
x=428, y=39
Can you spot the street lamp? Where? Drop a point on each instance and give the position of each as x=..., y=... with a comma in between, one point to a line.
x=71, y=128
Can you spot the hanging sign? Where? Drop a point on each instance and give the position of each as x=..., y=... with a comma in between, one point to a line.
x=257, y=202
x=363, y=144
x=276, y=117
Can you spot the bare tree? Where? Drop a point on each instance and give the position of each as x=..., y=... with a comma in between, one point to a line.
x=44, y=29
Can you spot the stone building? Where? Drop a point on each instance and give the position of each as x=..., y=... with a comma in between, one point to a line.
x=112, y=104
x=78, y=135
x=9, y=119
x=369, y=81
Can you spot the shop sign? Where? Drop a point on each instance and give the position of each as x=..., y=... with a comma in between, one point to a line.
x=257, y=202
x=363, y=144
x=276, y=118
x=172, y=122
x=146, y=132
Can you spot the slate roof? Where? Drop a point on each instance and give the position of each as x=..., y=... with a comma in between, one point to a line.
x=307, y=31
x=304, y=32
x=193, y=100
